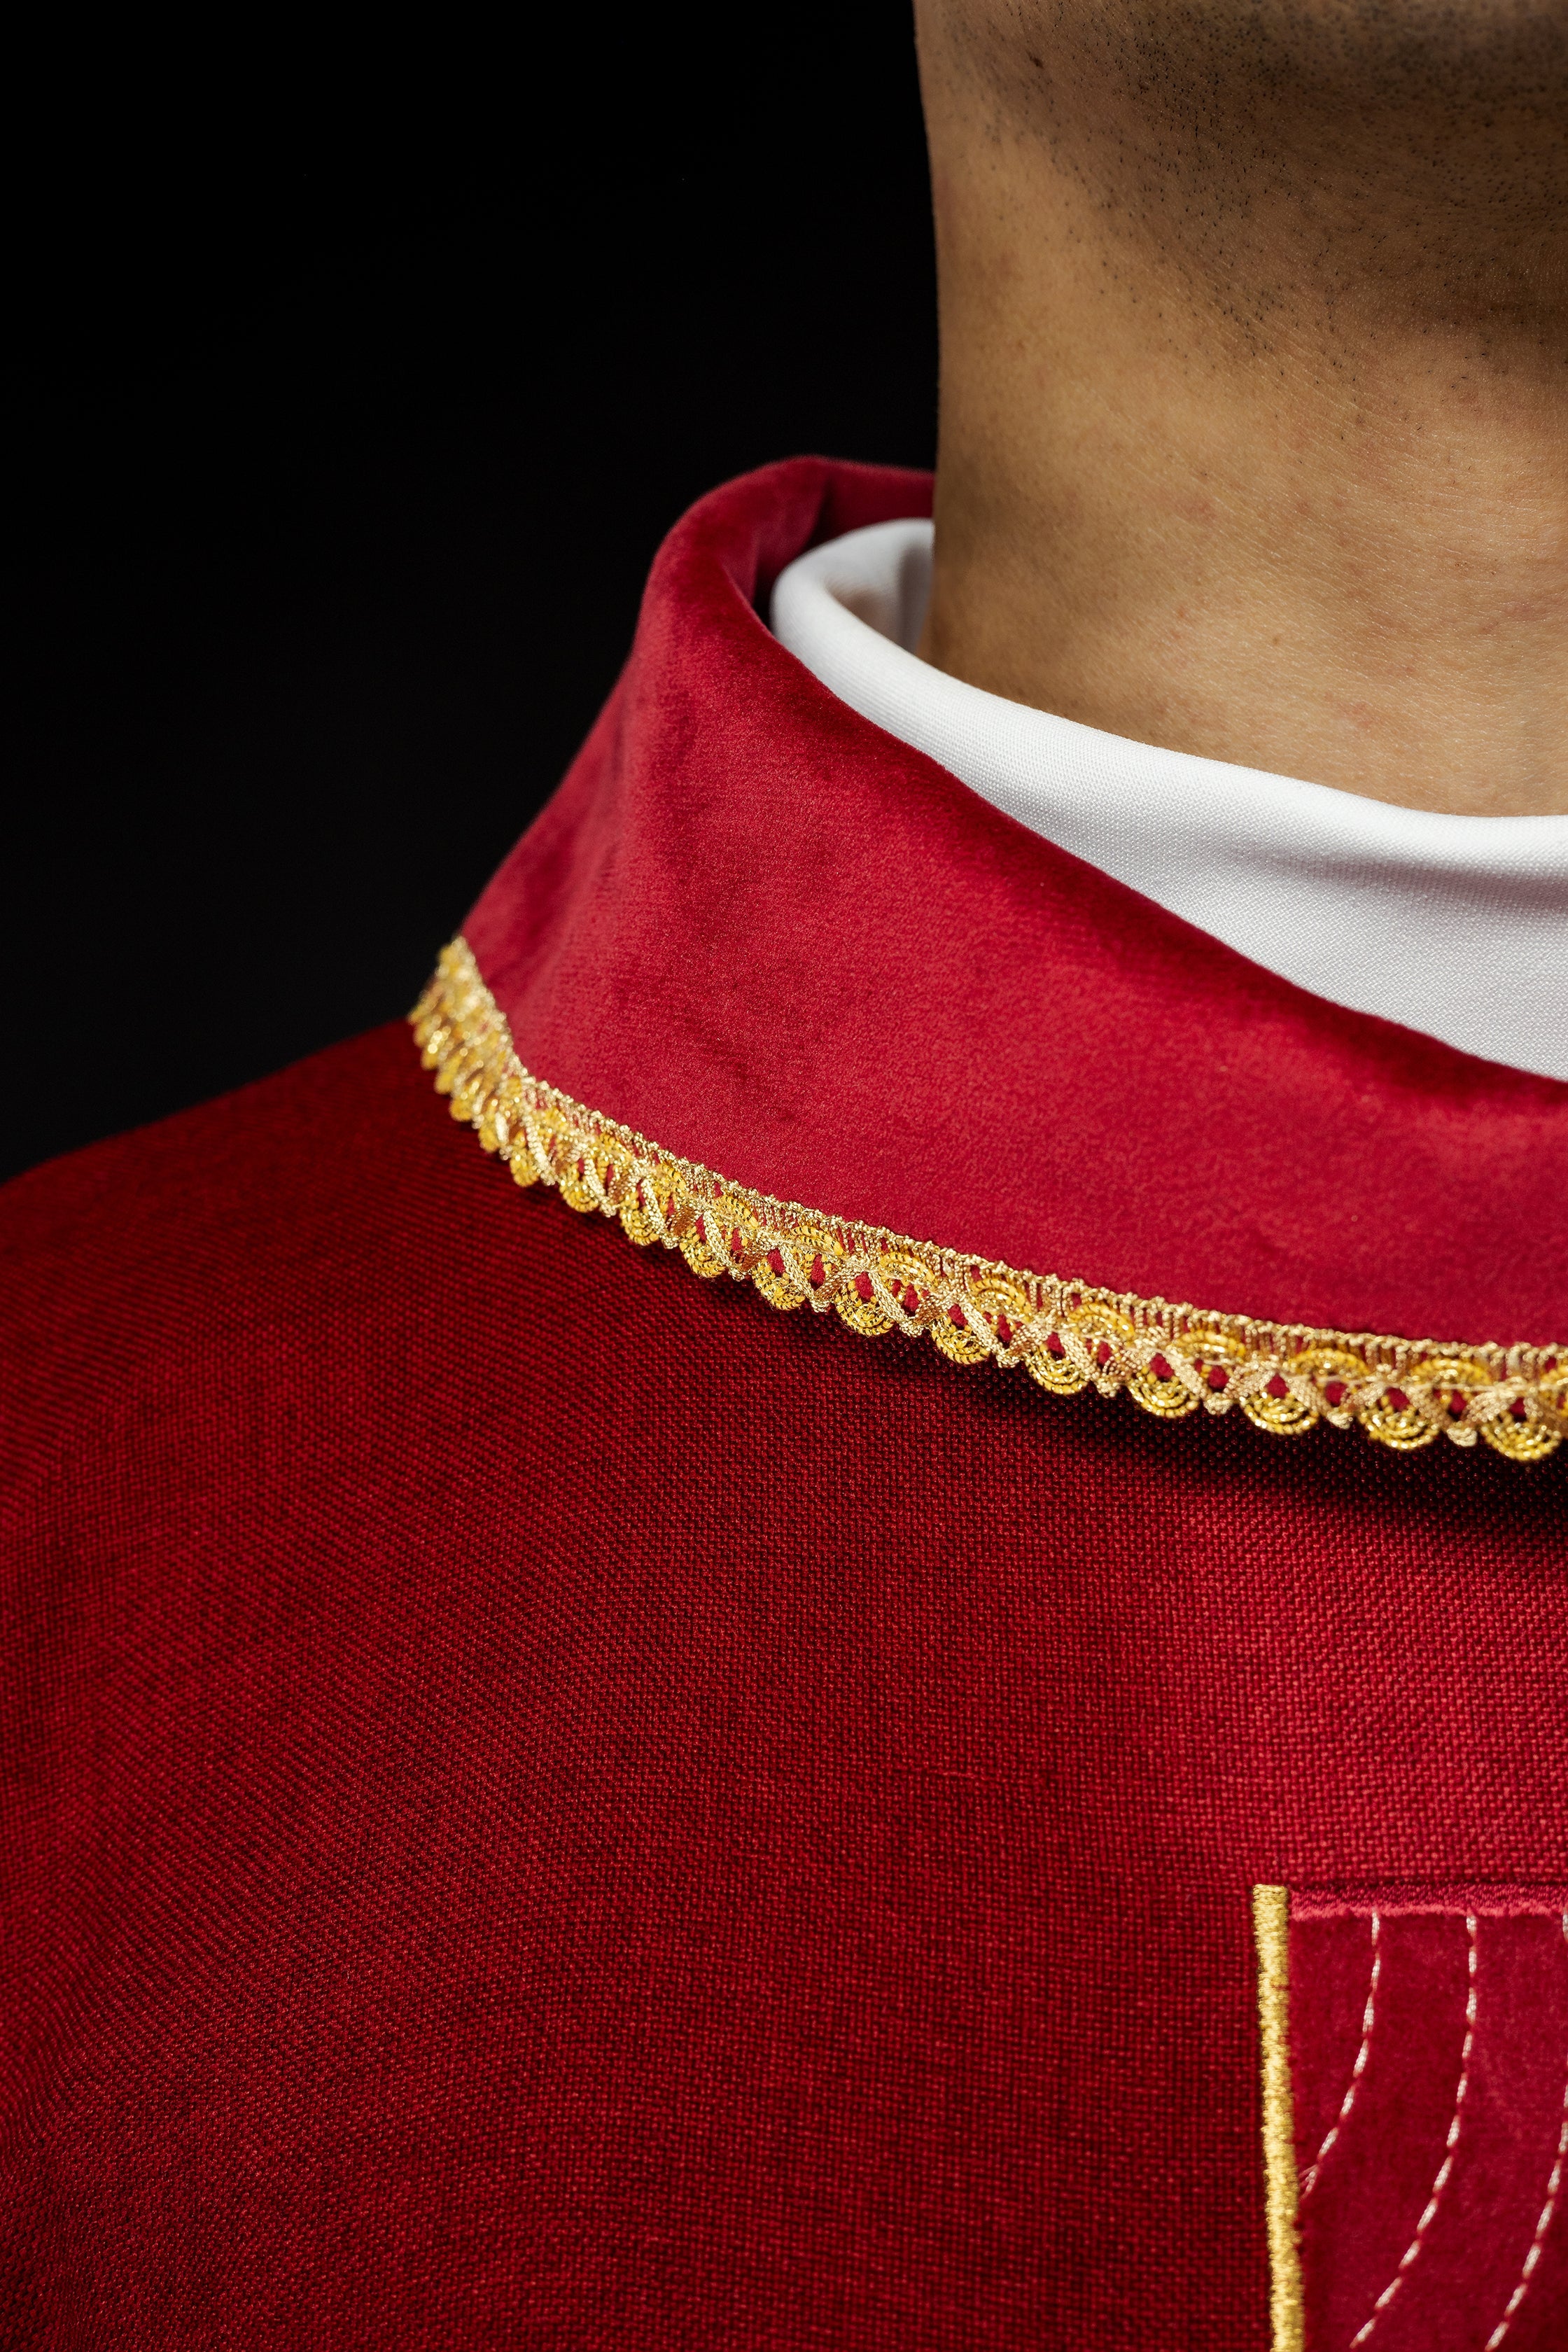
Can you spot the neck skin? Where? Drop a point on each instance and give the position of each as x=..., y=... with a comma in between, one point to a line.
x=1255, y=382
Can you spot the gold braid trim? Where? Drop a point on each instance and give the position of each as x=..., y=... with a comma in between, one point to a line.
x=1069, y=1336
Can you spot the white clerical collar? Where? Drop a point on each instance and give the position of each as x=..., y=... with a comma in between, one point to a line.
x=1457, y=926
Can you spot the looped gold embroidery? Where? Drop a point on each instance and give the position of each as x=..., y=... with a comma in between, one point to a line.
x=1069, y=1336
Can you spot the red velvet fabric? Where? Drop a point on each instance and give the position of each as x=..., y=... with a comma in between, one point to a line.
x=1440, y=2193
x=546, y=1803
x=767, y=935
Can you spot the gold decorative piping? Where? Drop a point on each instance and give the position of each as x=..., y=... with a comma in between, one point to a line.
x=1271, y=1928
x=1069, y=1336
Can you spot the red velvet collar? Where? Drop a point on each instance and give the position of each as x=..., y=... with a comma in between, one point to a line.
x=775, y=941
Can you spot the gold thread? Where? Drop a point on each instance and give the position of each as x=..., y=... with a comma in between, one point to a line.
x=1070, y=1336
x=1271, y=1929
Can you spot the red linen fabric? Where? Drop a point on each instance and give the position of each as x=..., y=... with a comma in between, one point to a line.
x=547, y=1803
x=1014, y=1055
x=1432, y=2176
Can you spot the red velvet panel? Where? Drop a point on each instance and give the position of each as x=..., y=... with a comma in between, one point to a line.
x=544, y=1803
x=1431, y=2133
x=761, y=932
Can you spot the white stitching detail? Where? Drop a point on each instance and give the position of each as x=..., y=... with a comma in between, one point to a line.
x=1419, y=2239
x=1554, y=2184
x=1309, y=2177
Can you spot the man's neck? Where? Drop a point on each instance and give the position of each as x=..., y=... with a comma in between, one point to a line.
x=1310, y=520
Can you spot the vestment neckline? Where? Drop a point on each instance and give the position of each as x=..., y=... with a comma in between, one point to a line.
x=755, y=927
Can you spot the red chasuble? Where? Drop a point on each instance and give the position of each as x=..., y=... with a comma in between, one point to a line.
x=749, y=1739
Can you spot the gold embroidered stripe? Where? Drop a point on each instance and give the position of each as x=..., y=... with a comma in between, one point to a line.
x=1271, y=1931
x=1068, y=1336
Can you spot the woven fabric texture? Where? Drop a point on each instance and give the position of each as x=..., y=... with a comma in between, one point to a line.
x=546, y=1803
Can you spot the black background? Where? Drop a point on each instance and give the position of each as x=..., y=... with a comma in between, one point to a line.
x=343, y=422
